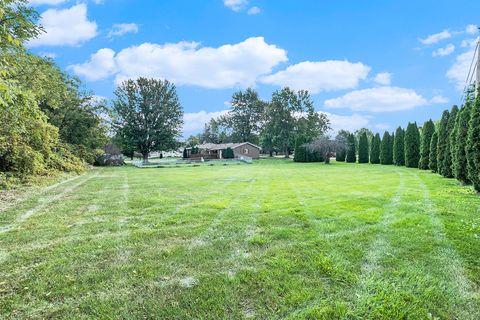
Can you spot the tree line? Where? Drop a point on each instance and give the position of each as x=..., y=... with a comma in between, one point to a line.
x=275, y=125
x=49, y=123
x=450, y=147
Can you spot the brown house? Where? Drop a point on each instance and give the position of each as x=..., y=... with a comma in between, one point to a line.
x=214, y=151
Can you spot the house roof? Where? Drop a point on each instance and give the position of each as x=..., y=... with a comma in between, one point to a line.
x=221, y=146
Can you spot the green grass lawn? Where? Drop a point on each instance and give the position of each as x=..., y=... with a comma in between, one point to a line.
x=274, y=239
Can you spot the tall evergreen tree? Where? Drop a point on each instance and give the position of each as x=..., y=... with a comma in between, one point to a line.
x=351, y=154
x=412, y=146
x=442, y=142
x=460, y=163
x=473, y=145
x=363, y=148
x=427, y=133
x=375, y=153
x=399, y=147
x=341, y=145
x=448, y=161
x=432, y=164
x=386, y=151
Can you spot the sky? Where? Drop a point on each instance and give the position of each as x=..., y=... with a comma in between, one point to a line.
x=374, y=63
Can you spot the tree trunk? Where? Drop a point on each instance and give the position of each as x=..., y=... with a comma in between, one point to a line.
x=145, y=157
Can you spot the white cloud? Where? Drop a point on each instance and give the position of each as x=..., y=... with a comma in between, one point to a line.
x=350, y=123
x=382, y=99
x=458, y=72
x=47, y=2
x=122, y=28
x=382, y=126
x=65, y=27
x=100, y=66
x=235, y=5
x=471, y=29
x=254, y=10
x=441, y=52
x=186, y=63
x=383, y=78
x=195, y=121
x=320, y=76
x=438, y=100
x=469, y=42
x=434, y=38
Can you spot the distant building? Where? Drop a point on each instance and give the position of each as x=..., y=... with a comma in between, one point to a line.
x=214, y=151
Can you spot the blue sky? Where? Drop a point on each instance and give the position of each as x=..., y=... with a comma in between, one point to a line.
x=375, y=64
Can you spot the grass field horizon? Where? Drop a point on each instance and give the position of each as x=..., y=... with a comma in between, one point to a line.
x=275, y=239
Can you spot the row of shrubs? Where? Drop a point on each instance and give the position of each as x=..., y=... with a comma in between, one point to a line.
x=450, y=147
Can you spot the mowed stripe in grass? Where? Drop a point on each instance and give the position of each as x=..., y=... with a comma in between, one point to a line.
x=271, y=240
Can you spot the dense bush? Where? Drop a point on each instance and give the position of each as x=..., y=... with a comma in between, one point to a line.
x=228, y=153
x=300, y=150
x=412, y=146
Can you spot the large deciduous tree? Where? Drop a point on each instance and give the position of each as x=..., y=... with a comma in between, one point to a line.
x=412, y=145
x=149, y=114
x=427, y=133
x=289, y=115
x=363, y=156
x=375, y=152
x=399, y=147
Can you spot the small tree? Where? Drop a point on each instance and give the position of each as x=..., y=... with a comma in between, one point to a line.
x=351, y=154
x=432, y=164
x=412, y=146
x=473, y=145
x=427, y=133
x=376, y=145
x=460, y=163
x=399, y=147
x=363, y=148
x=386, y=152
x=228, y=153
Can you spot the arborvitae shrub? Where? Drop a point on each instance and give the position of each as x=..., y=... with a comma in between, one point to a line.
x=473, y=145
x=427, y=133
x=375, y=153
x=386, y=151
x=442, y=144
x=448, y=161
x=432, y=164
x=363, y=148
x=399, y=147
x=351, y=154
x=412, y=146
x=460, y=136
x=340, y=154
